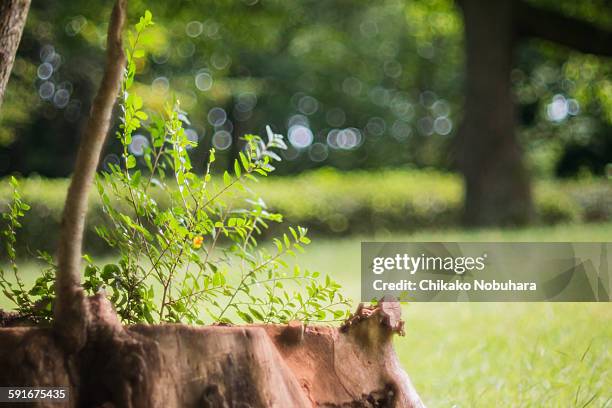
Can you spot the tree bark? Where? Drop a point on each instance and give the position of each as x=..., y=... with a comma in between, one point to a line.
x=497, y=187
x=13, y=14
x=253, y=366
x=70, y=308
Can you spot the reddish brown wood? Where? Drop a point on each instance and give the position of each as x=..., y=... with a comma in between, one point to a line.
x=213, y=366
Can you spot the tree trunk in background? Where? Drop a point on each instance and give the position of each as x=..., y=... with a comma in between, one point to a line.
x=497, y=188
x=13, y=14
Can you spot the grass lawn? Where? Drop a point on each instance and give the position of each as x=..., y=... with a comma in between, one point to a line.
x=492, y=354
x=495, y=354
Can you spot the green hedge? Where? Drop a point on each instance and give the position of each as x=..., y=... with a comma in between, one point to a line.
x=329, y=202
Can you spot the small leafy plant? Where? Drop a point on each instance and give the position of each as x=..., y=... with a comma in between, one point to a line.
x=187, y=244
x=34, y=303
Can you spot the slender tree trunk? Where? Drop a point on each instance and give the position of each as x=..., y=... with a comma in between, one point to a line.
x=13, y=14
x=71, y=307
x=497, y=188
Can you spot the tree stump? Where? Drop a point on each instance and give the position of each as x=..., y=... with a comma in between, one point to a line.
x=174, y=365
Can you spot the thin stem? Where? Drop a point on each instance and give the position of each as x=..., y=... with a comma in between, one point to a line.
x=155, y=163
x=264, y=264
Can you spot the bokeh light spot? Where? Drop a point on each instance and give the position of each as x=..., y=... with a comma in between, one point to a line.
x=222, y=140
x=46, y=90
x=349, y=138
x=401, y=130
x=318, y=152
x=194, y=29
x=139, y=144
x=45, y=70
x=557, y=110
x=442, y=125
x=46, y=53
x=192, y=136
x=203, y=81
x=308, y=105
x=440, y=108
x=160, y=85
x=300, y=136
x=61, y=98
x=220, y=60
x=376, y=126
x=217, y=116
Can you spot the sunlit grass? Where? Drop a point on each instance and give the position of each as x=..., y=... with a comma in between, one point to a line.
x=495, y=354
x=490, y=354
x=509, y=354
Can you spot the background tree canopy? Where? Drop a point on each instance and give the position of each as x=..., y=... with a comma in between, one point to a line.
x=353, y=84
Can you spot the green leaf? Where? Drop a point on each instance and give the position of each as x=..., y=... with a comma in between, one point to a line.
x=218, y=279
x=130, y=163
x=237, y=168
x=109, y=271
x=244, y=316
x=256, y=313
x=245, y=162
x=294, y=233
x=227, y=179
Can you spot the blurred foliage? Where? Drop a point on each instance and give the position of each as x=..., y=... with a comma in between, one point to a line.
x=337, y=204
x=194, y=259
x=353, y=84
